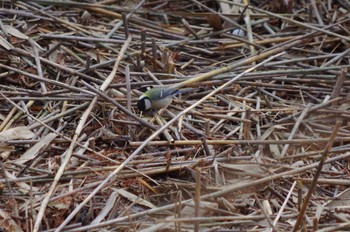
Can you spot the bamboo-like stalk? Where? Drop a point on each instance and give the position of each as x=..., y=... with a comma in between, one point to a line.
x=254, y=134
x=235, y=142
x=69, y=152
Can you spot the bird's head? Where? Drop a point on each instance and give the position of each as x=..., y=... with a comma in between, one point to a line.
x=144, y=103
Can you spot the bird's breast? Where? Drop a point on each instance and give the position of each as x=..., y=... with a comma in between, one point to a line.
x=162, y=103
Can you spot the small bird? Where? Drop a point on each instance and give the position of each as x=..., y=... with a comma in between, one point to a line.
x=158, y=97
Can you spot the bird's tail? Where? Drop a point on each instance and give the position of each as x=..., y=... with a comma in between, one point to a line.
x=184, y=90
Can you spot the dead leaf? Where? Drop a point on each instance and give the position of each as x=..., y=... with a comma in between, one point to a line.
x=32, y=152
x=108, y=207
x=4, y=43
x=21, y=132
x=134, y=198
x=14, y=32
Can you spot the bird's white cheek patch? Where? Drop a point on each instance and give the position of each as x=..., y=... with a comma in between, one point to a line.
x=148, y=104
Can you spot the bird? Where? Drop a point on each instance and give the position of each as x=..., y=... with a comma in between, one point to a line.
x=157, y=98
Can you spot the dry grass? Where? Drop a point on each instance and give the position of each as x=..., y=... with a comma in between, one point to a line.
x=261, y=144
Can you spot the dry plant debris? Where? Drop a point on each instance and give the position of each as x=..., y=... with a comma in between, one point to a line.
x=261, y=144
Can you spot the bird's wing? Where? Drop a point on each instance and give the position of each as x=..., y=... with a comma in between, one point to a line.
x=169, y=92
